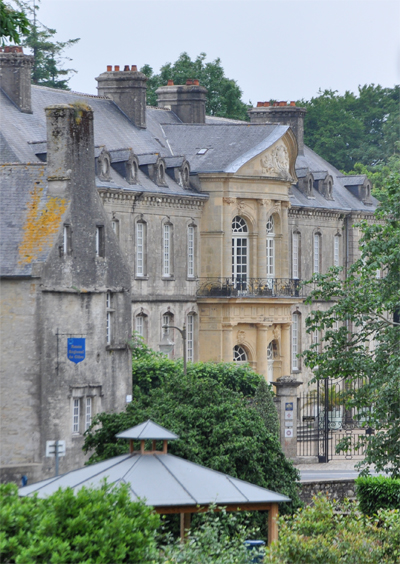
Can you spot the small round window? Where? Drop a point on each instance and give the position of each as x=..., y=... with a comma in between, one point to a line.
x=239, y=354
x=270, y=224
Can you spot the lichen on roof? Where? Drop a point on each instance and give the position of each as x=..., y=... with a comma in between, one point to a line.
x=41, y=223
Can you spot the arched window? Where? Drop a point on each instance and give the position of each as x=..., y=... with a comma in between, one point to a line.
x=239, y=252
x=167, y=321
x=140, y=324
x=317, y=254
x=270, y=228
x=239, y=354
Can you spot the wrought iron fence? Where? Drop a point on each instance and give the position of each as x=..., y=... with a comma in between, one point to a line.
x=326, y=426
x=241, y=286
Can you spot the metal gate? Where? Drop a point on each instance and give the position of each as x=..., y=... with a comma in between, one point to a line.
x=325, y=424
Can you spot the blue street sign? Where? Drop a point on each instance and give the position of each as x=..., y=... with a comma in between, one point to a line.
x=289, y=406
x=76, y=350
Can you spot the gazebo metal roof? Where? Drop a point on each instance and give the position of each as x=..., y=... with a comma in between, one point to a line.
x=168, y=483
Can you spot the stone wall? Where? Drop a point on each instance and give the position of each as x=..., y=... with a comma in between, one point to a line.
x=334, y=489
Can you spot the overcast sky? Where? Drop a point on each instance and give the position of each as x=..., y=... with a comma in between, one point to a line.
x=279, y=49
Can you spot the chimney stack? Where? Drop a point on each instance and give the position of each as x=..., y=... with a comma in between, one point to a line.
x=188, y=102
x=15, y=76
x=70, y=149
x=127, y=88
x=281, y=113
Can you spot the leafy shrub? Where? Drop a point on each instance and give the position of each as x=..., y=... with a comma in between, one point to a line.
x=377, y=492
x=87, y=527
x=319, y=534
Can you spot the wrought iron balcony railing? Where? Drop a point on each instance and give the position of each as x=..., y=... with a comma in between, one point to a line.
x=243, y=287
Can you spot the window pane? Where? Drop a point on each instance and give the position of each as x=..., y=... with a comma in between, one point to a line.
x=88, y=414
x=316, y=253
x=295, y=342
x=189, y=337
x=295, y=256
x=336, y=250
x=239, y=354
x=139, y=325
x=190, y=251
x=166, y=256
x=75, y=420
x=139, y=249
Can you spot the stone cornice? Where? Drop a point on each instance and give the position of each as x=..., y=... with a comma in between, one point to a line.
x=308, y=212
x=150, y=200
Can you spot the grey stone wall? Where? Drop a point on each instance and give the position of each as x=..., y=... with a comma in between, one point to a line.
x=336, y=490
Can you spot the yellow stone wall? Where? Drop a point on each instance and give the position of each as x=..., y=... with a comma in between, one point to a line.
x=255, y=192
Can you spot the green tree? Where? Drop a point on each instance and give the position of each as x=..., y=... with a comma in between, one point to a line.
x=349, y=129
x=49, y=54
x=264, y=404
x=217, y=426
x=13, y=23
x=90, y=525
x=223, y=94
x=365, y=350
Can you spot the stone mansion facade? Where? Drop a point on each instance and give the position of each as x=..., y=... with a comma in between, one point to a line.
x=118, y=217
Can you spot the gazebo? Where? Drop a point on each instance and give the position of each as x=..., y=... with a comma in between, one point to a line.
x=168, y=483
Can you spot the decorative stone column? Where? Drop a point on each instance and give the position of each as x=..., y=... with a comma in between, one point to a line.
x=262, y=346
x=261, y=244
x=227, y=346
x=285, y=348
x=286, y=403
x=227, y=245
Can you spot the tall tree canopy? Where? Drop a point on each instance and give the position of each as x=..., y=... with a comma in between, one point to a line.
x=13, y=23
x=366, y=345
x=353, y=128
x=49, y=54
x=224, y=96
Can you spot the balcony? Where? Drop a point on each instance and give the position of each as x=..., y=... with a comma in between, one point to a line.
x=243, y=287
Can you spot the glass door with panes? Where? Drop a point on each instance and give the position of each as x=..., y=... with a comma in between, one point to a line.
x=240, y=253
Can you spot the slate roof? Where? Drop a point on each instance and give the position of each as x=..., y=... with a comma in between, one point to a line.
x=343, y=199
x=30, y=221
x=148, y=430
x=228, y=146
x=163, y=480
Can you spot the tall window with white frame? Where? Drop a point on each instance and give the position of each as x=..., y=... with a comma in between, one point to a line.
x=88, y=413
x=240, y=254
x=295, y=256
x=270, y=229
x=139, y=324
x=295, y=342
x=317, y=253
x=109, y=317
x=140, y=248
x=336, y=243
x=190, y=251
x=166, y=249
x=76, y=415
x=190, y=337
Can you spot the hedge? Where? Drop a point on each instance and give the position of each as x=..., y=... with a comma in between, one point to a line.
x=377, y=492
x=90, y=526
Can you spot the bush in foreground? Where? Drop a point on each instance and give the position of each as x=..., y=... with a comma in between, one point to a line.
x=377, y=492
x=91, y=526
x=319, y=534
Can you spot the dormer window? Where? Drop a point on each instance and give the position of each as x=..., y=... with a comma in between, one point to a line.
x=132, y=169
x=104, y=166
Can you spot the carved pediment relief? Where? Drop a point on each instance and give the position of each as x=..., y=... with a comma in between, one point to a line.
x=276, y=162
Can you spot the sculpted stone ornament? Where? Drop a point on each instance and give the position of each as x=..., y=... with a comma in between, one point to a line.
x=276, y=162
x=240, y=206
x=241, y=336
x=104, y=165
x=229, y=201
x=277, y=332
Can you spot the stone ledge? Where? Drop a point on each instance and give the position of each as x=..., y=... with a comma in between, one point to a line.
x=334, y=489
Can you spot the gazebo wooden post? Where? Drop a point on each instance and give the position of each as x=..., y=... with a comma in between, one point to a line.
x=185, y=525
x=273, y=515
